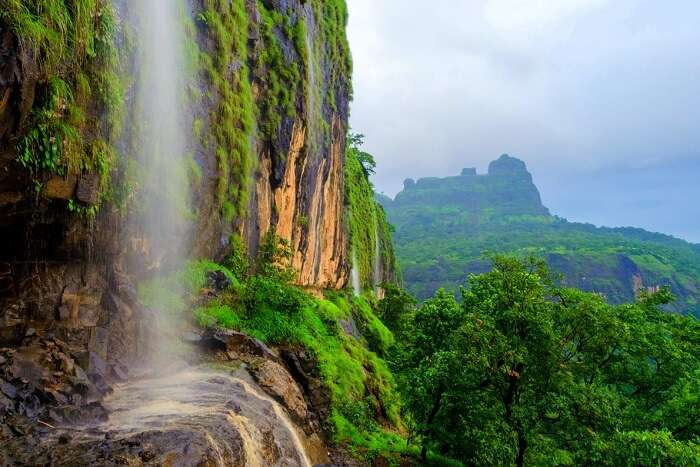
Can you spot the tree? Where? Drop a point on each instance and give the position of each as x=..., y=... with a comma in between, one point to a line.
x=395, y=308
x=526, y=372
x=355, y=142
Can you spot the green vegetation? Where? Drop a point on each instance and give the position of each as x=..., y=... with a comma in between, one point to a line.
x=72, y=43
x=367, y=222
x=444, y=226
x=232, y=118
x=265, y=304
x=332, y=18
x=524, y=372
x=520, y=372
x=283, y=77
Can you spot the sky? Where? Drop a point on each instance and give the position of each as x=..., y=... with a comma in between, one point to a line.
x=601, y=99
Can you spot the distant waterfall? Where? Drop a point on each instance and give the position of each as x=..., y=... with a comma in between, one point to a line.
x=159, y=140
x=376, y=264
x=355, y=275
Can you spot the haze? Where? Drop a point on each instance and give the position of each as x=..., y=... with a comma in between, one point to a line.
x=600, y=98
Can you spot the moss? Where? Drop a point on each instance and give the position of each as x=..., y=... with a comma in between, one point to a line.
x=366, y=222
x=233, y=116
x=267, y=306
x=333, y=15
x=283, y=74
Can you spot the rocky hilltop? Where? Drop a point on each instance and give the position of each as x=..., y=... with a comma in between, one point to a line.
x=445, y=225
x=507, y=188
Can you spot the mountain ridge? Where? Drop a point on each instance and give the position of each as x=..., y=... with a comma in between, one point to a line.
x=444, y=226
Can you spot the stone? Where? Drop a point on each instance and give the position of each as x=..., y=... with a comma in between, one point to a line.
x=218, y=281
x=192, y=337
x=99, y=341
x=11, y=334
x=10, y=197
x=8, y=389
x=239, y=342
x=349, y=327
x=120, y=371
x=275, y=380
x=60, y=187
x=97, y=366
x=88, y=190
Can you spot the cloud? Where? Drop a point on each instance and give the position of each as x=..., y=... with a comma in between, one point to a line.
x=571, y=86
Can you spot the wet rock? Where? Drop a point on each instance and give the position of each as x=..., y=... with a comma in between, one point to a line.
x=234, y=406
x=11, y=334
x=88, y=190
x=8, y=389
x=97, y=366
x=276, y=381
x=218, y=281
x=60, y=187
x=192, y=337
x=239, y=343
x=120, y=371
x=99, y=341
x=303, y=368
x=349, y=327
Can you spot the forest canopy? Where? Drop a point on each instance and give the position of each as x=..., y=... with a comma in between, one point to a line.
x=524, y=372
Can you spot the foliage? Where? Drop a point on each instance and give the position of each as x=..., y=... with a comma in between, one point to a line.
x=444, y=226
x=525, y=372
x=73, y=44
x=355, y=141
x=395, y=307
x=265, y=304
x=283, y=75
x=370, y=233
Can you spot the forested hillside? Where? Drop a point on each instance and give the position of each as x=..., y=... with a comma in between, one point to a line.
x=445, y=225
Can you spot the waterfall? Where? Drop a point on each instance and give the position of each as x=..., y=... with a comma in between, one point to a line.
x=355, y=275
x=159, y=142
x=376, y=264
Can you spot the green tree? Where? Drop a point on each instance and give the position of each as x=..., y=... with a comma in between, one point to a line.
x=526, y=372
x=395, y=308
x=355, y=142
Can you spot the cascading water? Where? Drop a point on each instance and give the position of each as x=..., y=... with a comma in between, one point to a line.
x=376, y=264
x=159, y=143
x=355, y=275
x=220, y=411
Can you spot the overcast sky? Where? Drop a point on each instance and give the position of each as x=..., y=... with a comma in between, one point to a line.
x=601, y=98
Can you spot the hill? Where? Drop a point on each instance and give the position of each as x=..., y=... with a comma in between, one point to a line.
x=444, y=226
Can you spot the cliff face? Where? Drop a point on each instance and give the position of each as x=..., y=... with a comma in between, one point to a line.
x=507, y=188
x=294, y=123
x=269, y=104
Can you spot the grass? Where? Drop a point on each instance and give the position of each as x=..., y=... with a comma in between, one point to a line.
x=233, y=113
x=365, y=410
x=358, y=380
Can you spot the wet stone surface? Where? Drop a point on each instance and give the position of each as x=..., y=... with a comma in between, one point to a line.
x=196, y=416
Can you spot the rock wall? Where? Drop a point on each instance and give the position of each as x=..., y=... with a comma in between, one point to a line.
x=270, y=105
x=66, y=246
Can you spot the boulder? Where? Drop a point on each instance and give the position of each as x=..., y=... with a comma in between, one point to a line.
x=60, y=187
x=88, y=190
x=275, y=380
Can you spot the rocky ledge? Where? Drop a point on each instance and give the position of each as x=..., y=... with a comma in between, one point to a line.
x=237, y=404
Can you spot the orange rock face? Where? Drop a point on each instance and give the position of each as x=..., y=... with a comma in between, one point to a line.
x=306, y=208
